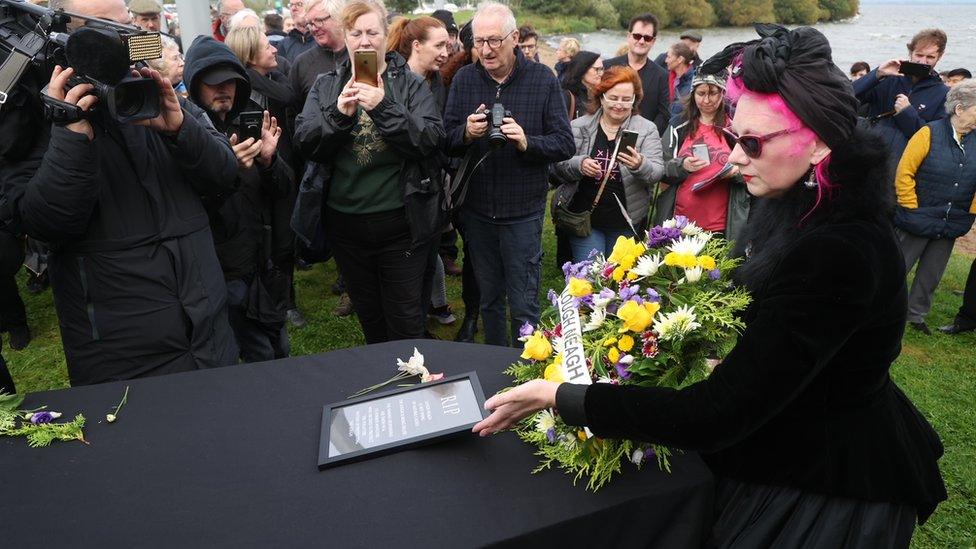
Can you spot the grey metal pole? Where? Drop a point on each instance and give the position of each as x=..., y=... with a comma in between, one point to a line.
x=194, y=18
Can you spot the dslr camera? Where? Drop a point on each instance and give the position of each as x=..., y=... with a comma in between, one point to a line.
x=496, y=115
x=101, y=52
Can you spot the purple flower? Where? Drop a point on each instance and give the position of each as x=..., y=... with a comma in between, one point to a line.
x=553, y=297
x=586, y=300
x=653, y=296
x=579, y=270
x=38, y=418
x=526, y=330
x=551, y=434
x=627, y=292
x=622, y=371
x=714, y=274
x=613, y=307
x=681, y=221
x=661, y=236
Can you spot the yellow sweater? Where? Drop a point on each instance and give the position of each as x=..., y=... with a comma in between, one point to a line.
x=915, y=153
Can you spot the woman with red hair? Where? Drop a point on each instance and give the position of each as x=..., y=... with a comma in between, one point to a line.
x=616, y=190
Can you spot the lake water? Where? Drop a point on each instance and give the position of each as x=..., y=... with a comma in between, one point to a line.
x=879, y=33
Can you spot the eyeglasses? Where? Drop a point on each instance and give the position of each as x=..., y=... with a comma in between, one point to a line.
x=296, y=4
x=493, y=43
x=621, y=102
x=319, y=21
x=598, y=70
x=645, y=37
x=751, y=144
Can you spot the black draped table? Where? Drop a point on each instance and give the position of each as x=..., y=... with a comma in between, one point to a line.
x=227, y=458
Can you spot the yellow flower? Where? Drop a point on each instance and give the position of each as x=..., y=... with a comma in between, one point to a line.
x=554, y=372
x=618, y=274
x=581, y=435
x=706, y=262
x=632, y=275
x=537, y=347
x=625, y=343
x=613, y=354
x=637, y=317
x=579, y=287
x=685, y=261
x=625, y=252
x=610, y=341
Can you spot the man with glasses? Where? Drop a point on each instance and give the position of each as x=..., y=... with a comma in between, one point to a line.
x=529, y=42
x=506, y=196
x=654, y=79
x=299, y=39
x=321, y=16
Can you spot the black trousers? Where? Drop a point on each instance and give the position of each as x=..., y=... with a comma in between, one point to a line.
x=967, y=312
x=384, y=273
x=12, y=312
x=6, y=382
x=469, y=285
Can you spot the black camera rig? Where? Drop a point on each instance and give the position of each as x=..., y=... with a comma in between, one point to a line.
x=101, y=53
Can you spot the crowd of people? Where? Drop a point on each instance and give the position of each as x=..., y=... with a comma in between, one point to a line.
x=343, y=133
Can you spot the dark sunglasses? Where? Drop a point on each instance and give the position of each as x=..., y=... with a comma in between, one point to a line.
x=751, y=144
x=645, y=37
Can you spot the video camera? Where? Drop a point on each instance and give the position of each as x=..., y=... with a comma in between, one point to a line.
x=101, y=52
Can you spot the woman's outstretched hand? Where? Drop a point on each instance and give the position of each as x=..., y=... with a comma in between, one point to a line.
x=511, y=406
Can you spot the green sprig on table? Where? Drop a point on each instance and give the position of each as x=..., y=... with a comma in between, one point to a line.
x=14, y=423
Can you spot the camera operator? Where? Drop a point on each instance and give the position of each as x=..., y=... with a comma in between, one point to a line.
x=137, y=285
x=506, y=197
x=219, y=84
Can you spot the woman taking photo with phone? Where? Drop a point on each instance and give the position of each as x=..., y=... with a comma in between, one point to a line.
x=613, y=191
x=376, y=204
x=811, y=442
x=696, y=154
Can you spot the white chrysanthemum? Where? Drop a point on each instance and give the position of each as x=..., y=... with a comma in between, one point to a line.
x=670, y=223
x=598, y=264
x=637, y=457
x=647, y=265
x=693, y=275
x=596, y=318
x=690, y=245
x=676, y=324
x=691, y=229
x=545, y=421
x=604, y=379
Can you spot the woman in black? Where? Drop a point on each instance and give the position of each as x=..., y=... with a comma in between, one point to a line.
x=378, y=204
x=580, y=76
x=812, y=443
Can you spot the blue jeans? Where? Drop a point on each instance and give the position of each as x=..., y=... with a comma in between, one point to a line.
x=507, y=256
x=600, y=240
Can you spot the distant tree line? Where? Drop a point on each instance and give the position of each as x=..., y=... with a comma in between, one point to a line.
x=696, y=13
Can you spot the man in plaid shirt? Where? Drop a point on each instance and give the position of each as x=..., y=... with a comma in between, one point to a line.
x=505, y=205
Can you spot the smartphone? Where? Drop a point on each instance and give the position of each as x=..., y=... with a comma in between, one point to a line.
x=700, y=151
x=918, y=70
x=365, y=70
x=250, y=123
x=627, y=139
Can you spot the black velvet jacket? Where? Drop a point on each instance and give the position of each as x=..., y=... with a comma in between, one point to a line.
x=804, y=399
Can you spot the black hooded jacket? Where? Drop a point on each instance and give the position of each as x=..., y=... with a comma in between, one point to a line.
x=238, y=221
x=136, y=282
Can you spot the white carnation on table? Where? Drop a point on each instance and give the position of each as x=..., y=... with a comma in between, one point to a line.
x=647, y=265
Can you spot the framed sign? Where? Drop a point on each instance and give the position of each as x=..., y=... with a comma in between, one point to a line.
x=374, y=425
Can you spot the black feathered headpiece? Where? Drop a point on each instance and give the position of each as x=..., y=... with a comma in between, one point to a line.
x=797, y=65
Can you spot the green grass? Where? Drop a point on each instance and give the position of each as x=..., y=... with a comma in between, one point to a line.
x=937, y=372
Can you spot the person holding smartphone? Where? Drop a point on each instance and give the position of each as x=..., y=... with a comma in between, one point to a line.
x=625, y=179
x=370, y=125
x=696, y=152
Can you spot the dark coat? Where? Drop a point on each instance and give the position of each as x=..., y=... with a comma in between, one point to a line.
x=654, y=82
x=294, y=44
x=311, y=64
x=409, y=120
x=804, y=399
x=136, y=281
x=238, y=220
x=510, y=183
x=927, y=99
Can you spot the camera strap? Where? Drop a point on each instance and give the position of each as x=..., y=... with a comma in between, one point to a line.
x=10, y=72
x=59, y=112
x=459, y=184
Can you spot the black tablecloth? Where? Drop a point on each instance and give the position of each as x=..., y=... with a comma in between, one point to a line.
x=227, y=457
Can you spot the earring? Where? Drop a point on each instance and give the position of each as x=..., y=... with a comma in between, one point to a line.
x=812, y=182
